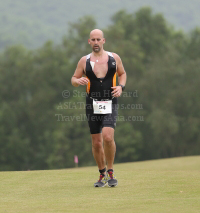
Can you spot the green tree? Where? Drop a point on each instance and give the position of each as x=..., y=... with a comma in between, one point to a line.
x=40, y=128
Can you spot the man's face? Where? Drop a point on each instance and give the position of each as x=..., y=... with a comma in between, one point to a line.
x=96, y=41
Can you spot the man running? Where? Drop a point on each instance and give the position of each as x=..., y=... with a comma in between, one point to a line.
x=98, y=71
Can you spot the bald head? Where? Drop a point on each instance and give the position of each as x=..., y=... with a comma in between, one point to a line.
x=97, y=32
x=96, y=40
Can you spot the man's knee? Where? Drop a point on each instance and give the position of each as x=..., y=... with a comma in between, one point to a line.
x=108, y=134
x=108, y=137
x=97, y=143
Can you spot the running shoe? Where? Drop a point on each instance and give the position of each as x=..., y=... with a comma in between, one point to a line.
x=102, y=181
x=112, y=181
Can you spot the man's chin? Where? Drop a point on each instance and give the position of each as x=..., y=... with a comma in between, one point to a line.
x=96, y=50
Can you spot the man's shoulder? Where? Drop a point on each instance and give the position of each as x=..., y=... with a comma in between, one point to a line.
x=114, y=55
x=109, y=53
x=83, y=59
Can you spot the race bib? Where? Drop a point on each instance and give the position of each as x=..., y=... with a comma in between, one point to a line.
x=102, y=107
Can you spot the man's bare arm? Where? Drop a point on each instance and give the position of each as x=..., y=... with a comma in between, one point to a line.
x=121, y=76
x=120, y=70
x=77, y=78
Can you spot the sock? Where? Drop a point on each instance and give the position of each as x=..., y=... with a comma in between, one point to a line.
x=102, y=171
x=110, y=170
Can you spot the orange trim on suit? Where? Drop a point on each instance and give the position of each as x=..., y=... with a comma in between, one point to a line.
x=88, y=86
x=114, y=79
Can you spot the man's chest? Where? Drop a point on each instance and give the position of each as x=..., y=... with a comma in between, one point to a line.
x=100, y=69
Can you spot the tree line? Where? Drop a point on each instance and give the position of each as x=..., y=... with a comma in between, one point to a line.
x=42, y=116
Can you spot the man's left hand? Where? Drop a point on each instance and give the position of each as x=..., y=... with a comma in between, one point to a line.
x=117, y=91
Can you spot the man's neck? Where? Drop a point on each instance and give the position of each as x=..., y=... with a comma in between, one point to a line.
x=99, y=54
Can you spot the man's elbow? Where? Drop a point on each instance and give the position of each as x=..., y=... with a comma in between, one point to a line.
x=73, y=82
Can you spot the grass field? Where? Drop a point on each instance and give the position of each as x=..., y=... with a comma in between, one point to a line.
x=169, y=185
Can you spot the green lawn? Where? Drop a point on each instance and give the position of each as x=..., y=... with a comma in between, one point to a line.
x=169, y=185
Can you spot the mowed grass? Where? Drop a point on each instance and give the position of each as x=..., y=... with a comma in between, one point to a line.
x=169, y=185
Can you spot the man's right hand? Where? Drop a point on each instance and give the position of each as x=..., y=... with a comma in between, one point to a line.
x=82, y=81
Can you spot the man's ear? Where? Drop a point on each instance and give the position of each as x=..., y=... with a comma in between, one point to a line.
x=88, y=41
x=104, y=40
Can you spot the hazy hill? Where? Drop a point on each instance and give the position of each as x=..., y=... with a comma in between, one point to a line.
x=33, y=22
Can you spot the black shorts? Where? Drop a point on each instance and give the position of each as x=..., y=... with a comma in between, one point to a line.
x=98, y=121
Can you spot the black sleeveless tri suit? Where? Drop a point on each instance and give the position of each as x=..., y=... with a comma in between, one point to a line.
x=100, y=89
